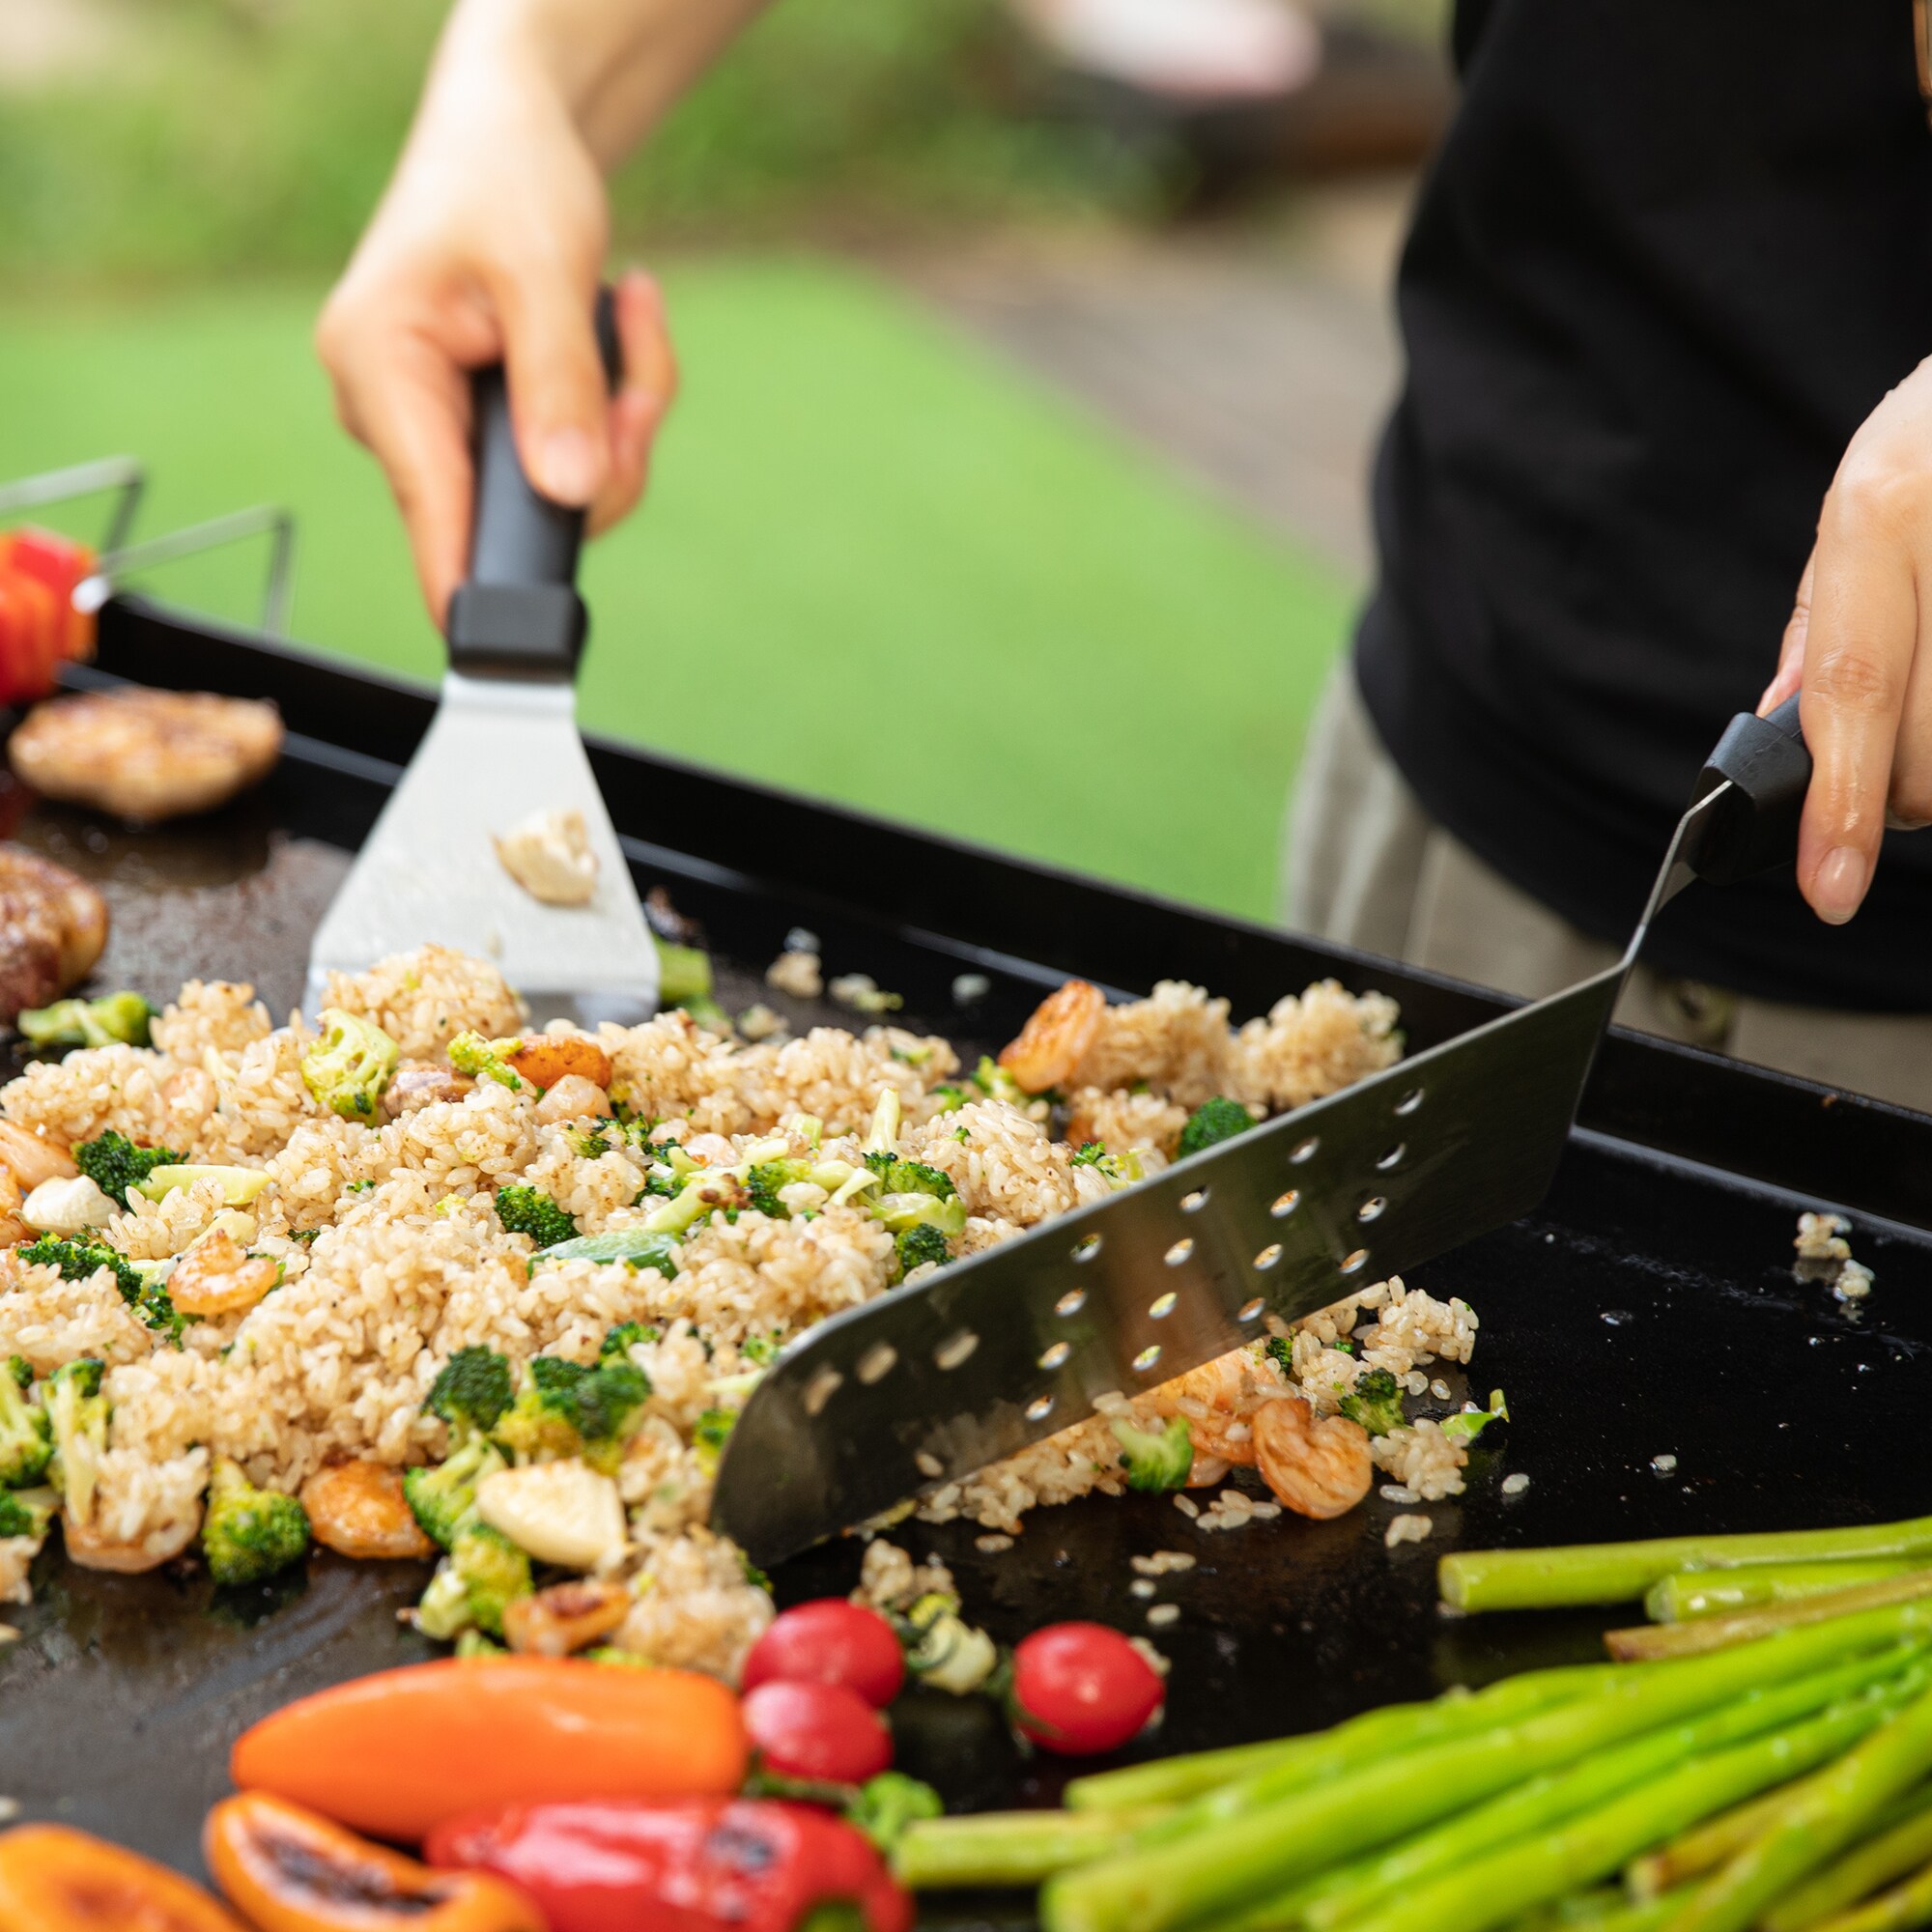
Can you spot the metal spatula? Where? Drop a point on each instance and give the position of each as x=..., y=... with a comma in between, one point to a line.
x=927, y=1384
x=503, y=746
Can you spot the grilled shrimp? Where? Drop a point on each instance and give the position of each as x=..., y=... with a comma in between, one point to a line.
x=1318, y=1467
x=565, y=1617
x=1219, y=1400
x=546, y=1058
x=573, y=1099
x=358, y=1509
x=92, y=1551
x=215, y=1277
x=30, y=1159
x=1051, y=1043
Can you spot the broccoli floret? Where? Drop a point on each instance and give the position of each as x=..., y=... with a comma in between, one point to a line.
x=1121, y=1170
x=711, y=1432
x=248, y=1533
x=26, y=1436
x=566, y=1410
x=115, y=1017
x=950, y=1099
x=898, y=1176
x=350, y=1067
x=470, y=1642
x=26, y=1512
x=762, y=1350
x=489, y=1060
x=472, y=1389
x=882, y=1806
x=77, y=1413
x=763, y=1181
x=1213, y=1121
x=81, y=1260
x=444, y=1499
x=921, y=1244
x=684, y=975
x=1375, y=1402
x=1154, y=1461
x=529, y=1210
x=495, y=1574
x=616, y=1346
x=997, y=1084
x=1281, y=1353
x=588, y=1142
x=115, y=1164
x=483, y=1574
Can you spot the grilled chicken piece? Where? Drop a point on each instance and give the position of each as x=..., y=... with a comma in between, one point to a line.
x=52, y=927
x=147, y=755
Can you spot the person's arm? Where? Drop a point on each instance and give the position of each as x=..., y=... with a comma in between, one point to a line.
x=490, y=243
x=1860, y=648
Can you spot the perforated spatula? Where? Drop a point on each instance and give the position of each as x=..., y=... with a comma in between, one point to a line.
x=927, y=1384
x=503, y=746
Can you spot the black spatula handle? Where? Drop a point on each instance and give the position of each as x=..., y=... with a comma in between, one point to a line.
x=518, y=615
x=1753, y=828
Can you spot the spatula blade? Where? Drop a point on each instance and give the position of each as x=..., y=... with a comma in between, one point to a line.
x=927, y=1384
x=499, y=749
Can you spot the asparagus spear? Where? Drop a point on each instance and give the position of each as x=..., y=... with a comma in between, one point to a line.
x=1826, y=1819
x=1893, y=1853
x=1713, y=1843
x=1541, y=1801
x=1614, y=1572
x=1008, y=1848
x=1348, y=1892
x=1321, y=1754
x=1710, y=1593
x=1900, y=1909
x=1230, y=1861
x=1490, y=1889
x=1645, y=1641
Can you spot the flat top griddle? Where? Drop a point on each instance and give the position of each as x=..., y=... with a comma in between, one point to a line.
x=1649, y=1308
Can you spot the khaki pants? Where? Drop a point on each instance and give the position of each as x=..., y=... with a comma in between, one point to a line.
x=1367, y=867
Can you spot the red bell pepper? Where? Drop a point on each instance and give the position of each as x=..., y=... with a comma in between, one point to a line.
x=62, y=564
x=702, y=1864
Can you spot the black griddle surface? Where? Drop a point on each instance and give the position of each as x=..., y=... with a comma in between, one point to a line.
x=1650, y=1308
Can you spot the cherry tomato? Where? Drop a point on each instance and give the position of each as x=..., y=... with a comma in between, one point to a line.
x=830, y=1641
x=825, y=1732
x=1082, y=1687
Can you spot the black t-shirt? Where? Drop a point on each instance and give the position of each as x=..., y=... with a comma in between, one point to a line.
x=1671, y=256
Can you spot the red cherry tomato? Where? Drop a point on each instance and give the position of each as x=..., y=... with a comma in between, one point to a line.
x=1082, y=1687
x=824, y=1732
x=830, y=1641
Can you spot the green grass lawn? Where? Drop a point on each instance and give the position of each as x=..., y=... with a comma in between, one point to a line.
x=876, y=564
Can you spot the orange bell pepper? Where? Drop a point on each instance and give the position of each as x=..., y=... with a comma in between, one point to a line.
x=395, y=1753
x=287, y=1870
x=53, y=1878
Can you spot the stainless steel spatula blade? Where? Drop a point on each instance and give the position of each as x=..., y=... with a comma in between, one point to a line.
x=500, y=750
x=503, y=746
x=927, y=1384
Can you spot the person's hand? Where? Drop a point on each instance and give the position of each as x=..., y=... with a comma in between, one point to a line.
x=488, y=245
x=1859, y=646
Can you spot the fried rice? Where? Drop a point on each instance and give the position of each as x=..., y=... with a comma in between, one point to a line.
x=393, y=1256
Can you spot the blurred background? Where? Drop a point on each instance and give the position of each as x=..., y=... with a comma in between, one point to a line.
x=1034, y=352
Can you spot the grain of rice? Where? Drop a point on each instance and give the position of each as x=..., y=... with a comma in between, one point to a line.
x=1162, y=1615
x=1143, y=1587
x=1407, y=1529
x=991, y=1545
x=1514, y=1486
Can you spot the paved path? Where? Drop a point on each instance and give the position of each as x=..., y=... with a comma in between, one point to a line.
x=1263, y=365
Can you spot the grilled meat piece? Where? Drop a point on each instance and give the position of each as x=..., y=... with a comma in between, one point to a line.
x=52, y=927
x=147, y=755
